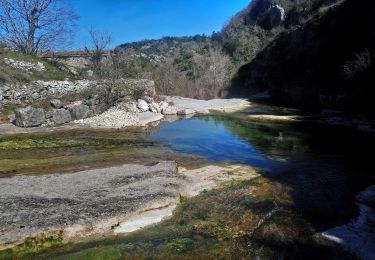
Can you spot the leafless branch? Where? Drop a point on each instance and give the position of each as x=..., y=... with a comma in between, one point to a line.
x=33, y=26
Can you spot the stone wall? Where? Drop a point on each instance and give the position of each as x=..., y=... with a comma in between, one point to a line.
x=24, y=65
x=61, y=113
x=26, y=94
x=101, y=96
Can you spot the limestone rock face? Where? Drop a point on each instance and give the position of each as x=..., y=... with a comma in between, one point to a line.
x=142, y=105
x=276, y=15
x=56, y=103
x=267, y=14
x=61, y=116
x=29, y=117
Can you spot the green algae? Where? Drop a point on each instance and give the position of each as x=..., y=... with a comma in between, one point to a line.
x=232, y=221
x=265, y=217
x=65, y=151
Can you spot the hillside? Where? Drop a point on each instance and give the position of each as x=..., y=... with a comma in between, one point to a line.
x=186, y=66
x=202, y=66
x=250, y=30
x=16, y=67
x=325, y=63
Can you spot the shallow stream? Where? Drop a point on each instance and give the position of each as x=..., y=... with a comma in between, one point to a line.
x=311, y=173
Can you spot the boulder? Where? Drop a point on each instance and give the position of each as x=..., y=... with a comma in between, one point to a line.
x=163, y=105
x=186, y=111
x=61, y=116
x=131, y=107
x=35, y=95
x=92, y=101
x=142, y=105
x=11, y=118
x=56, y=103
x=49, y=114
x=154, y=107
x=89, y=73
x=171, y=110
x=29, y=117
x=80, y=111
x=148, y=99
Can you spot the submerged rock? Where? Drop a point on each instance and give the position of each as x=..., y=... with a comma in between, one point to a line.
x=29, y=117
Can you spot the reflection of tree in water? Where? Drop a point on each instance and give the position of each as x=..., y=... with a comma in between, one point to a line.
x=277, y=141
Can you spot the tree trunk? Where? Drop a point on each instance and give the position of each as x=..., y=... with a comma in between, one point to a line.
x=31, y=33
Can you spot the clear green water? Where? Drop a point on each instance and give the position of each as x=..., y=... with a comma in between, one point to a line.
x=310, y=176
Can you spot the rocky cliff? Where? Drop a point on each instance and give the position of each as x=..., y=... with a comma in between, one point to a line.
x=327, y=62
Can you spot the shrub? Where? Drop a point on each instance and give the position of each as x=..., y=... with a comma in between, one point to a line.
x=360, y=64
x=4, y=78
x=22, y=77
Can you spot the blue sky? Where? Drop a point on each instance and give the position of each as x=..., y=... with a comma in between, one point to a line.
x=133, y=20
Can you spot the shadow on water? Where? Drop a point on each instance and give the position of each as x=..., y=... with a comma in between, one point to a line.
x=325, y=166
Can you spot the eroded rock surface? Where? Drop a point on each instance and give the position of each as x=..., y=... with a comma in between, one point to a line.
x=92, y=202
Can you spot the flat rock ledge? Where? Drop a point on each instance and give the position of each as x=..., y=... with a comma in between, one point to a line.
x=89, y=204
x=143, y=113
x=205, y=106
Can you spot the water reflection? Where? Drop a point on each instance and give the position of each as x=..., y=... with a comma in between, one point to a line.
x=224, y=139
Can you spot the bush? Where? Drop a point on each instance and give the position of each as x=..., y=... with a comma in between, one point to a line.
x=4, y=78
x=360, y=64
x=22, y=77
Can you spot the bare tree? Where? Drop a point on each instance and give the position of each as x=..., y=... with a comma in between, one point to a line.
x=98, y=45
x=32, y=26
x=99, y=40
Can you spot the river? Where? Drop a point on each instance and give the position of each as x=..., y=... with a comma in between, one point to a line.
x=310, y=175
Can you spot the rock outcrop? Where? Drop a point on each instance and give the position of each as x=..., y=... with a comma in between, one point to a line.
x=24, y=65
x=60, y=116
x=80, y=111
x=170, y=110
x=142, y=105
x=275, y=16
x=25, y=94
